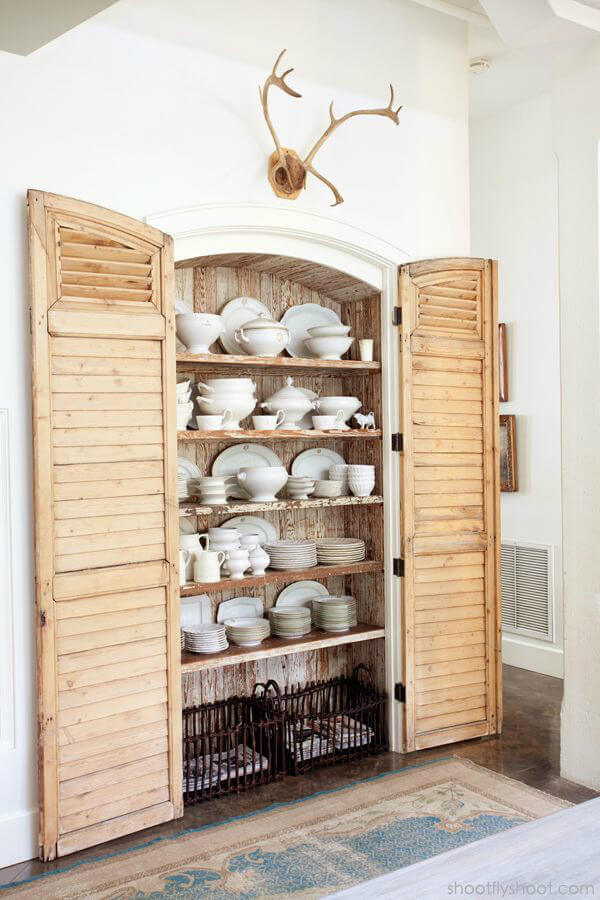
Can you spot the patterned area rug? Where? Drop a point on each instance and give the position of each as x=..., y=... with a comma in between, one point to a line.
x=312, y=847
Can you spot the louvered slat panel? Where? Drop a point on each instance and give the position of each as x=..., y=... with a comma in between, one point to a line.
x=450, y=502
x=527, y=589
x=106, y=524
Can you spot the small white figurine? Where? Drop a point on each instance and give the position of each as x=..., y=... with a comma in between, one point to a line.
x=365, y=423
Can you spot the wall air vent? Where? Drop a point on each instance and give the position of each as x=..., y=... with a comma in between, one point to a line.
x=526, y=575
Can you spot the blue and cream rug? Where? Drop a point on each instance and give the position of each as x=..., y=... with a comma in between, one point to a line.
x=312, y=847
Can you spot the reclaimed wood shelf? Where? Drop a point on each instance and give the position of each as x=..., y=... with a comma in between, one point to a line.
x=189, y=508
x=273, y=576
x=275, y=646
x=273, y=364
x=278, y=435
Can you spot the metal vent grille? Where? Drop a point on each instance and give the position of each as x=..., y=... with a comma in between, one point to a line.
x=526, y=577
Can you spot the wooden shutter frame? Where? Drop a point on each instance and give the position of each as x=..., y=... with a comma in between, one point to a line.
x=46, y=212
x=407, y=294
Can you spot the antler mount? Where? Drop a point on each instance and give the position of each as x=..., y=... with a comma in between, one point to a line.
x=287, y=169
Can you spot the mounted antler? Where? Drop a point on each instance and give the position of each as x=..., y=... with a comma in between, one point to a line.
x=287, y=171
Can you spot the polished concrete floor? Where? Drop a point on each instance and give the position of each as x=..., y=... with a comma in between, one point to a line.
x=527, y=750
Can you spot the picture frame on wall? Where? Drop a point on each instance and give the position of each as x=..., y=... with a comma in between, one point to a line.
x=503, y=374
x=508, y=454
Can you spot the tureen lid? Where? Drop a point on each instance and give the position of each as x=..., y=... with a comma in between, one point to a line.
x=289, y=392
x=263, y=323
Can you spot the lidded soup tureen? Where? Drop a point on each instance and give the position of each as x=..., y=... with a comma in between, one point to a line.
x=262, y=337
x=293, y=402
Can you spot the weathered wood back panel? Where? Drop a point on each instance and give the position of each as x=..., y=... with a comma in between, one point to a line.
x=450, y=501
x=106, y=524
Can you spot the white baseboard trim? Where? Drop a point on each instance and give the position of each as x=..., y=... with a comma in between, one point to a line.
x=532, y=655
x=18, y=836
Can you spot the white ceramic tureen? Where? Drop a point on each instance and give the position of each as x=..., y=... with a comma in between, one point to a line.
x=262, y=337
x=294, y=403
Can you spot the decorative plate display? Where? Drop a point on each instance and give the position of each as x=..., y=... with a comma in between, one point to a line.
x=300, y=593
x=254, y=525
x=315, y=463
x=298, y=319
x=240, y=456
x=235, y=314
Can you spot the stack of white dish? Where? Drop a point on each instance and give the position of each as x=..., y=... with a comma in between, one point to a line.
x=187, y=475
x=334, y=613
x=212, y=491
x=198, y=330
x=185, y=404
x=292, y=554
x=299, y=487
x=224, y=540
x=328, y=341
x=290, y=621
x=361, y=480
x=182, y=635
x=247, y=632
x=339, y=551
x=328, y=488
x=218, y=395
x=340, y=473
x=205, y=638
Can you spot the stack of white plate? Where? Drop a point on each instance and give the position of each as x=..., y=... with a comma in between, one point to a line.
x=247, y=632
x=205, y=638
x=290, y=621
x=325, y=488
x=182, y=638
x=334, y=613
x=339, y=551
x=292, y=554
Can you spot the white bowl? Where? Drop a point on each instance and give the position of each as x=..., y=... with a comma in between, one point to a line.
x=185, y=397
x=198, y=330
x=329, y=406
x=262, y=483
x=328, y=347
x=263, y=341
x=361, y=489
x=241, y=405
x=329, y=331
x=219, y=385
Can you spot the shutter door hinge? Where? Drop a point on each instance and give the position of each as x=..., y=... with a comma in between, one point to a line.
x=399, y=567
x=397, y=315
x=400, y=692
x=398, y=442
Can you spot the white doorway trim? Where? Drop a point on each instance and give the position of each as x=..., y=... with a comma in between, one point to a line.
x=266, y=228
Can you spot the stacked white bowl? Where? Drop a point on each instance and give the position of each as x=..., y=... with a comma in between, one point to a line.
x=334, y=613
x=339, y=472
x=329, y=488
x=185, y=404
x=361, y=480
x=247, y=632
x=224, y=539
x=290, y=621
x=217, y=395
x=328, y=341
x=299, y=487
x=211, y=490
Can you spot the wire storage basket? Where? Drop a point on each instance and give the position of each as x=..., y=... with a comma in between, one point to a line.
x=230, y=746
x=326, y=722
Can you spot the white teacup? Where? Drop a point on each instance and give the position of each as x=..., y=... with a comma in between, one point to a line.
x=327, y=423
x=268, y=423
x=207, y=566
x=214, y=423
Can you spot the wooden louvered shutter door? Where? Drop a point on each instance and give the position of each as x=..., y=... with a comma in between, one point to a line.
x=450, y=502
x=106, y=530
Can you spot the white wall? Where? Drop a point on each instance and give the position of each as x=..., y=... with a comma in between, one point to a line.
x=514, y=216
x=131, y=110
x=576, y=110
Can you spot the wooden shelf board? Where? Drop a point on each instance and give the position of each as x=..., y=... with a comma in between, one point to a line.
x=272, y=577
x=274, y=646
x=277, y=364
x=279, y=435
x=189, y=508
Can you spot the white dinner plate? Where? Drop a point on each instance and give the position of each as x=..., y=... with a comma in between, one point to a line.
x=235, y=314
x=187, y=468
x=254, y=525
x=196, y=610
x=240, y=608
x=298, y=319
x=240, y=456
x=300, y=593
x=316, y=462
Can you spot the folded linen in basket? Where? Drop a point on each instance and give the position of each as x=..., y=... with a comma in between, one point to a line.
x=346, y=732
x=307, y=742
x=214, y=767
